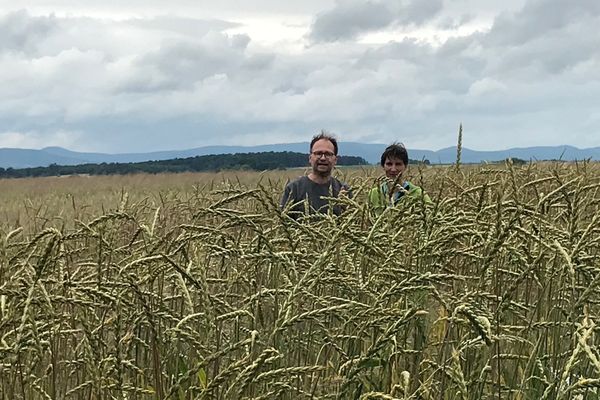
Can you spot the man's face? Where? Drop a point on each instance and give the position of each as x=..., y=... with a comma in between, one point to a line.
x=393, y=167
x=322, y=158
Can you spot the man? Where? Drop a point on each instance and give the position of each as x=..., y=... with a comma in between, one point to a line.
x=319, y=183
x=394, y=161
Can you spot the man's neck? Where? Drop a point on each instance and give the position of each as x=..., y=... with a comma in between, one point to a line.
x=320, y=179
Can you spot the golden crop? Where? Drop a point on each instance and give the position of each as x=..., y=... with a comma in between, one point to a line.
x=198, y=287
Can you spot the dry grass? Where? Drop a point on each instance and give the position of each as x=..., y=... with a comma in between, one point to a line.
x=195, y=286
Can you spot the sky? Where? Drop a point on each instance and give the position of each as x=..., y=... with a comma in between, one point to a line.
x=154, y=75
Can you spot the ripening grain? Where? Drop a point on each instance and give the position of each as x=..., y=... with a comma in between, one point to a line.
x=198, y=287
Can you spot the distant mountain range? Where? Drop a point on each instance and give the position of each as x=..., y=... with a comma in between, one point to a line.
x=24, y=158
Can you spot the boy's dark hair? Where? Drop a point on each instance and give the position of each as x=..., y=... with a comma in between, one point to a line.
x=395, y=150
x=327, y=136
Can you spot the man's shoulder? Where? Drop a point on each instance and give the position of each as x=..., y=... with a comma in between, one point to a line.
x=336, y=184
x=299, y=181
x=298, y=185
x=336, y=181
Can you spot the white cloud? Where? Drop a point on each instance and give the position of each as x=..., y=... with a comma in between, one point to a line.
x=38, y=140
x=486, y=86
x=19, y=32
x=139, y=83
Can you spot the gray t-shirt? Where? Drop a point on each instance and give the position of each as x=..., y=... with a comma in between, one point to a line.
x=303, y=188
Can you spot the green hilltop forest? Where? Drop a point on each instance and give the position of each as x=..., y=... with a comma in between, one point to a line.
x=216, y=162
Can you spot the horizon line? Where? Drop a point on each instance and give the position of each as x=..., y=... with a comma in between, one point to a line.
x=293, y=143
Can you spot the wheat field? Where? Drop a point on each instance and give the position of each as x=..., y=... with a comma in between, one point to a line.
x=197, y=286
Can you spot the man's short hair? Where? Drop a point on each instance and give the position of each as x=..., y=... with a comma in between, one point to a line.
x=327, y=136
x=395, y=150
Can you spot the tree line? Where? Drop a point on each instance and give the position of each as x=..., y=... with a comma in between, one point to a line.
x=216, y=162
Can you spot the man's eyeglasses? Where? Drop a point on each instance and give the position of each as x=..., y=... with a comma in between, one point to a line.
x=326, y=154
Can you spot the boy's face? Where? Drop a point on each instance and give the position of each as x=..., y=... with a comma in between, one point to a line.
x=393, y=167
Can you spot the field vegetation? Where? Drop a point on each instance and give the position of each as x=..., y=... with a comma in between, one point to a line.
x=197, y=286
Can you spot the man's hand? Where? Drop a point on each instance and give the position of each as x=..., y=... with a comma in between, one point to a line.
x=345, y=191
